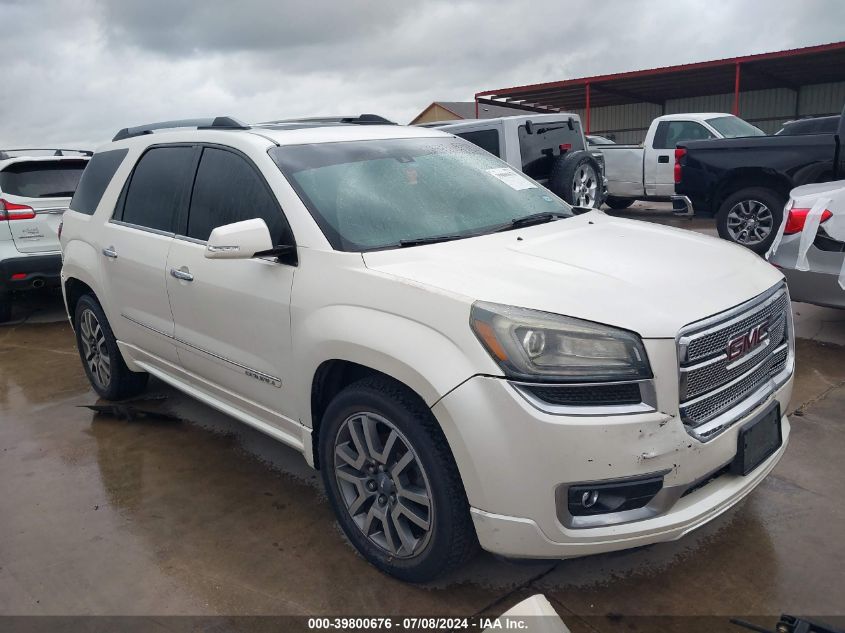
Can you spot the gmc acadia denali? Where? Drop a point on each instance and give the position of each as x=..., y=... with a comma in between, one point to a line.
x=466, y=358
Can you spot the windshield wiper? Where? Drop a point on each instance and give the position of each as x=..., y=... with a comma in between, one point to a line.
x=419, y=241
x=531, y=220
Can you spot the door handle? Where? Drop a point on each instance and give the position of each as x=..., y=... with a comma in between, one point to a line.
x=181, y=273
x=110, y=252
x=663, y=158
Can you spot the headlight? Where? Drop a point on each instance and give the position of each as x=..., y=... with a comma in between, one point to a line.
x=533, y=345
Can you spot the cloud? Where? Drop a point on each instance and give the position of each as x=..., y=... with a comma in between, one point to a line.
x=75, y=71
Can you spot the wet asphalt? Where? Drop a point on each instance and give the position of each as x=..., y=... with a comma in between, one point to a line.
x=169, y=507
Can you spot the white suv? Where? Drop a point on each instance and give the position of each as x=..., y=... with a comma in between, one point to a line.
x=35, y=190
x=464, y=358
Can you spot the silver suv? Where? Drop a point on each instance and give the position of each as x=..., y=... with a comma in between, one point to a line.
x=35, y=191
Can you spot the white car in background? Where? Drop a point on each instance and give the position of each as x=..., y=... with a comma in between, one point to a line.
x=465, y=358
x=35, y=190
x=810, y=249
x=647, y=171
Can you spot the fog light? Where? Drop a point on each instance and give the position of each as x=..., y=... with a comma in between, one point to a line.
x=589, y=498
x=612, y=496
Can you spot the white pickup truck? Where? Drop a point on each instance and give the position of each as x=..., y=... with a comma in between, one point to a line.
x=647, y=171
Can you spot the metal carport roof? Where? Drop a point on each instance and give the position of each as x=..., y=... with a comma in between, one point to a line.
x=782, y=69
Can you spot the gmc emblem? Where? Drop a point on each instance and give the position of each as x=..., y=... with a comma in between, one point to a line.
x=741, y=344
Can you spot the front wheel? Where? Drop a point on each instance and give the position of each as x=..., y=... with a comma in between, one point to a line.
x=751, y=217
x=393, y=483
x=104, y=365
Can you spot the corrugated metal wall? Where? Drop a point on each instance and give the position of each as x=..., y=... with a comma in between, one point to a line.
x=767, y=109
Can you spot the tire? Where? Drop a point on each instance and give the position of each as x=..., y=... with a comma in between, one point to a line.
x=586, y=191
x=5, y=307
x=751, y=217
x=618, y=203
x=355, y=484
x=106, y=370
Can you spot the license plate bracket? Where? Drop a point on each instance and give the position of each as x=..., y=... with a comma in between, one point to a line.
x=758, y=440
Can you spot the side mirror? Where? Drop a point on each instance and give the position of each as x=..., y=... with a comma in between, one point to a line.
x=240, y=240
x=529, y=127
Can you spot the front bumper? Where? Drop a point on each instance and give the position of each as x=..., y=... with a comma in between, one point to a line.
x=514, y=458
x=30, y=272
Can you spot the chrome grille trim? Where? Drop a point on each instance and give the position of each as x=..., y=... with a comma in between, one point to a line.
x=715, y=392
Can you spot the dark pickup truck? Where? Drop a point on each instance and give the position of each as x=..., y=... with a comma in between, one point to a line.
x=745, y=182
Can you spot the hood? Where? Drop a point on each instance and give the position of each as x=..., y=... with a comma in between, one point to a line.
x=631, y=274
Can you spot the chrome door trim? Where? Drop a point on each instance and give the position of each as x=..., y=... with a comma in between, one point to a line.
x=252, y=373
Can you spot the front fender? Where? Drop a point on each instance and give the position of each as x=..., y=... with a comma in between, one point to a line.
x=424, y=359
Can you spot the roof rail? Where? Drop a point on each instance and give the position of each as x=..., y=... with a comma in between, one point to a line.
x=217, y=123
x=57, y=151
x=361, y=119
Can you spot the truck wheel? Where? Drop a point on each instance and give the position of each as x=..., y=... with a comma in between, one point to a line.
x=101, y=358
x=5, y=307
x=576, y=178
x=751, y=217
x=393, y=483
x=618, y=203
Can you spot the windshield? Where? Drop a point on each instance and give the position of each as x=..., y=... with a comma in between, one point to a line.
x=42, y=179
x=734, y=127
x=368, y=195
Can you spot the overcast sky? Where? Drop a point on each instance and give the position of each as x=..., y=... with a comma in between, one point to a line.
x=75, y=71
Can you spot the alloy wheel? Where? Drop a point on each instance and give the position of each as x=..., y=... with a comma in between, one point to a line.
x=749, y=222
x=584, y=186
x=94, y=348
x=383, y=485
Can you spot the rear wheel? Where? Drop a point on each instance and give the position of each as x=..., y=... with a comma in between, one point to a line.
x=576, y=178
x=104, y=365
x=393, y=483
x=618, y=203
x=751, y=217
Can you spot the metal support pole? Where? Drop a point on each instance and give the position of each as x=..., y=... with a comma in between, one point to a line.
x=587, y=90
x=736, y=91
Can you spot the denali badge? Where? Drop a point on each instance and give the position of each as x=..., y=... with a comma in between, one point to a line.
x=741, y=344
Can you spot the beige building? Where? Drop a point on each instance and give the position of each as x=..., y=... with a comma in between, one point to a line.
x=456, y=110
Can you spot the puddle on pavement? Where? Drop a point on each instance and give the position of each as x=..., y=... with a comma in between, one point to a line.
x=239, y=521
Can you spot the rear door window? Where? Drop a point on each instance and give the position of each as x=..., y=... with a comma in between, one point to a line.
x=540, y=149
x=670, y=133
x=159, y=187
x=96, y=177
x=42, y=179
x=228, y=189
x=487, y=140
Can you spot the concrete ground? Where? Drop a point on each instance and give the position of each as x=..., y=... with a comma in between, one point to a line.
x=181, y=510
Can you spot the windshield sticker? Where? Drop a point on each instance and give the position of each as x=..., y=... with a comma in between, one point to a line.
x=511, y=178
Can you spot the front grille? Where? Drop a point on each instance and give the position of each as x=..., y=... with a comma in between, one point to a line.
x=588, y=395
x=711, y=386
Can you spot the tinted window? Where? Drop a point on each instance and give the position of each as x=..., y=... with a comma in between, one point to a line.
x=670, y=133
x=42, y=179
x=540, y=148
x=158, y=186
x=95, y=179
x=825, y=125
x=228, y=189
x=486, y=139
